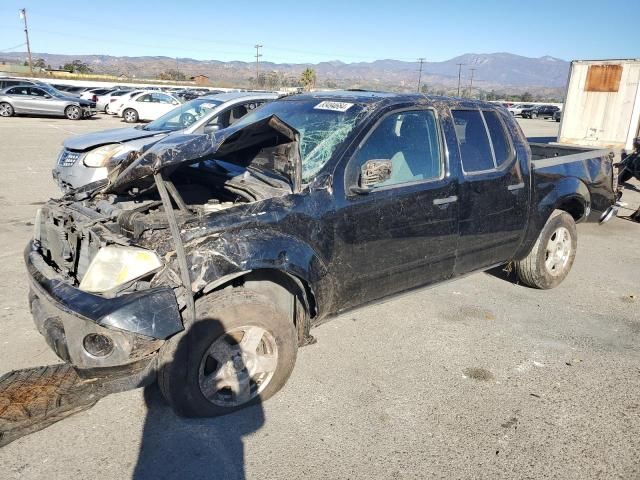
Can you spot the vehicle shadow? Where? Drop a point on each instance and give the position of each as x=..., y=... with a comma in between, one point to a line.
x=503, y=273
x=174, y=447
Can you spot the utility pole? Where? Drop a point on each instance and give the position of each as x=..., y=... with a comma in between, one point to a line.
x=258, y=55
x=471, y=83
x=23, y=16
x=459, y=73
x=421, y=60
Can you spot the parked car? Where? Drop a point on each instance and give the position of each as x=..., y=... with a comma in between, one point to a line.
x=103, y=101
x=116, y=103
x=86, y=158
x=93, y=93
x=69, y=89
x=43, y=100
x=205, y=261
x=6, y=82
x=557, y=115
x=148, y=106
x=540, y=111
x=516, y=110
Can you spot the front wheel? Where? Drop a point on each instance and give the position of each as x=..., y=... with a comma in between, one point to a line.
x=239, y=351
x=534, y=115
x=130, y=115
x=6, y=110
x=551, y=258
x=73, y=112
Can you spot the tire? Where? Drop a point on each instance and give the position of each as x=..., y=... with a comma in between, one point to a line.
x=187, y=119
x=534, y=115
x=6, y=110
x=239, y=327
x=73, y=112
x=130, y=115
x=552, y=256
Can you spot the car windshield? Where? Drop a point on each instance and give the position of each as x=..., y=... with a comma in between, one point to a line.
x=51, y=91
x=323, y=125
x=184, y=115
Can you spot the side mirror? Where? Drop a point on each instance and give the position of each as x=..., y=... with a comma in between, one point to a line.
x=175, y=102
x=373, y=172
x=46, y=95
x=212, y=127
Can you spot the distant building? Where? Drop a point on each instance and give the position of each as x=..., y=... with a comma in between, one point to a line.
x=200, y=79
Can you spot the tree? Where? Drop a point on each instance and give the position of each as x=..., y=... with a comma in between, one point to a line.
x=77, y=66
x=308, y=78
x=526, y=97
x=39, y=63
x=172, y=74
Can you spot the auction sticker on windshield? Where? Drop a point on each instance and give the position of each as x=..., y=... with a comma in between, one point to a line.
x=334, y=106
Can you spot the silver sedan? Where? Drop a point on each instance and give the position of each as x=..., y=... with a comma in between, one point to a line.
x=43, y=100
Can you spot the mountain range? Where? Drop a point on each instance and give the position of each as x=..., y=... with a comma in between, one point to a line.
x=500, y=71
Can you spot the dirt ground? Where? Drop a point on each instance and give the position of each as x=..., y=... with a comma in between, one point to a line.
x=477, y=378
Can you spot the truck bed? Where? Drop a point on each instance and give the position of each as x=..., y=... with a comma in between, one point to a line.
x=592, y=168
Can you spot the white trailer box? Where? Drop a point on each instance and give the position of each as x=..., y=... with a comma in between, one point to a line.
x=602, y=104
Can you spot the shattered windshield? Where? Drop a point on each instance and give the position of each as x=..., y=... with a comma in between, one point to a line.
x=184, y=115
x=322, y=124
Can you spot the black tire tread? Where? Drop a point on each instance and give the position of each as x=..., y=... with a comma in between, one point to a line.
x=215, y=301
x=528, y=269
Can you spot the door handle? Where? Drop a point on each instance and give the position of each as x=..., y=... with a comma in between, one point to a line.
x=516, y=186
x=446, y=200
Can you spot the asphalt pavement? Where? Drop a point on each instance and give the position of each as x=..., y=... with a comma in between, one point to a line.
x=476, y=378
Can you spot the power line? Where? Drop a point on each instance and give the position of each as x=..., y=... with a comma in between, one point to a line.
x=23, y=15
x=471, y=83
x=12, y=48
x=258, y=55
x=421, y=60
x=459, y=73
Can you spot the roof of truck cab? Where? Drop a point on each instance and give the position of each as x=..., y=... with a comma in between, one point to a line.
x=372, y=97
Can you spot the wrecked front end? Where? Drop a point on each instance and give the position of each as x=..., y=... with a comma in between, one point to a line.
x=109, y=281
x=92, y=294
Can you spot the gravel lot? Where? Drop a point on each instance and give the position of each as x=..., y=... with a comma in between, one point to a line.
x=478, y=378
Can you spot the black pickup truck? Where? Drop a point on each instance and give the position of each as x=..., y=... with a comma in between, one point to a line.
x=204, y=261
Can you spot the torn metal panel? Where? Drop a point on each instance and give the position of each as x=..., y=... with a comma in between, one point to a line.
x=234, y=143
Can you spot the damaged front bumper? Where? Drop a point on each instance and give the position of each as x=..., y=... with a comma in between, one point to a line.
x=98, y=335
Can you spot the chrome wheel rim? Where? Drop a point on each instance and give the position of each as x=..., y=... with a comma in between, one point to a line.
x=558, y=251
x=238, y=366
x=130, y=116
x=74, y=113
x=5, y=110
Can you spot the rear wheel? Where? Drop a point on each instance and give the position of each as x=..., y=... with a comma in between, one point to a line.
x=130, y=115
x=239, y=351
x=73, y=112
x=551, y=258
x=6, y=110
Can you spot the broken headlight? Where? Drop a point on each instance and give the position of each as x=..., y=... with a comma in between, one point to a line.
x=116, y=265
x=101, y=156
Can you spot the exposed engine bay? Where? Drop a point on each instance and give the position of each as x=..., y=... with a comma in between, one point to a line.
x=71, y=232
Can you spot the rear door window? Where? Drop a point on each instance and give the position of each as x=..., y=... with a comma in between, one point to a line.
x=501, y=145
x=18, y=91
x=475, y=148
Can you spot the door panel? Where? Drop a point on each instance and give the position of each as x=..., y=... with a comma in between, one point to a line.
x=403, y=233
x=397, y=239
x=493, y=201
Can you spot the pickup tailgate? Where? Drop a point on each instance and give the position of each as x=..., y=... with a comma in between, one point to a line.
x=592, y=168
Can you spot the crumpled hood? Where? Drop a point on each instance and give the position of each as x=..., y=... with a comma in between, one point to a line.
x=106, y=137
x=269, y=144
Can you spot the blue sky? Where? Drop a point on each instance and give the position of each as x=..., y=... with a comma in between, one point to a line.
x=299, y=31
